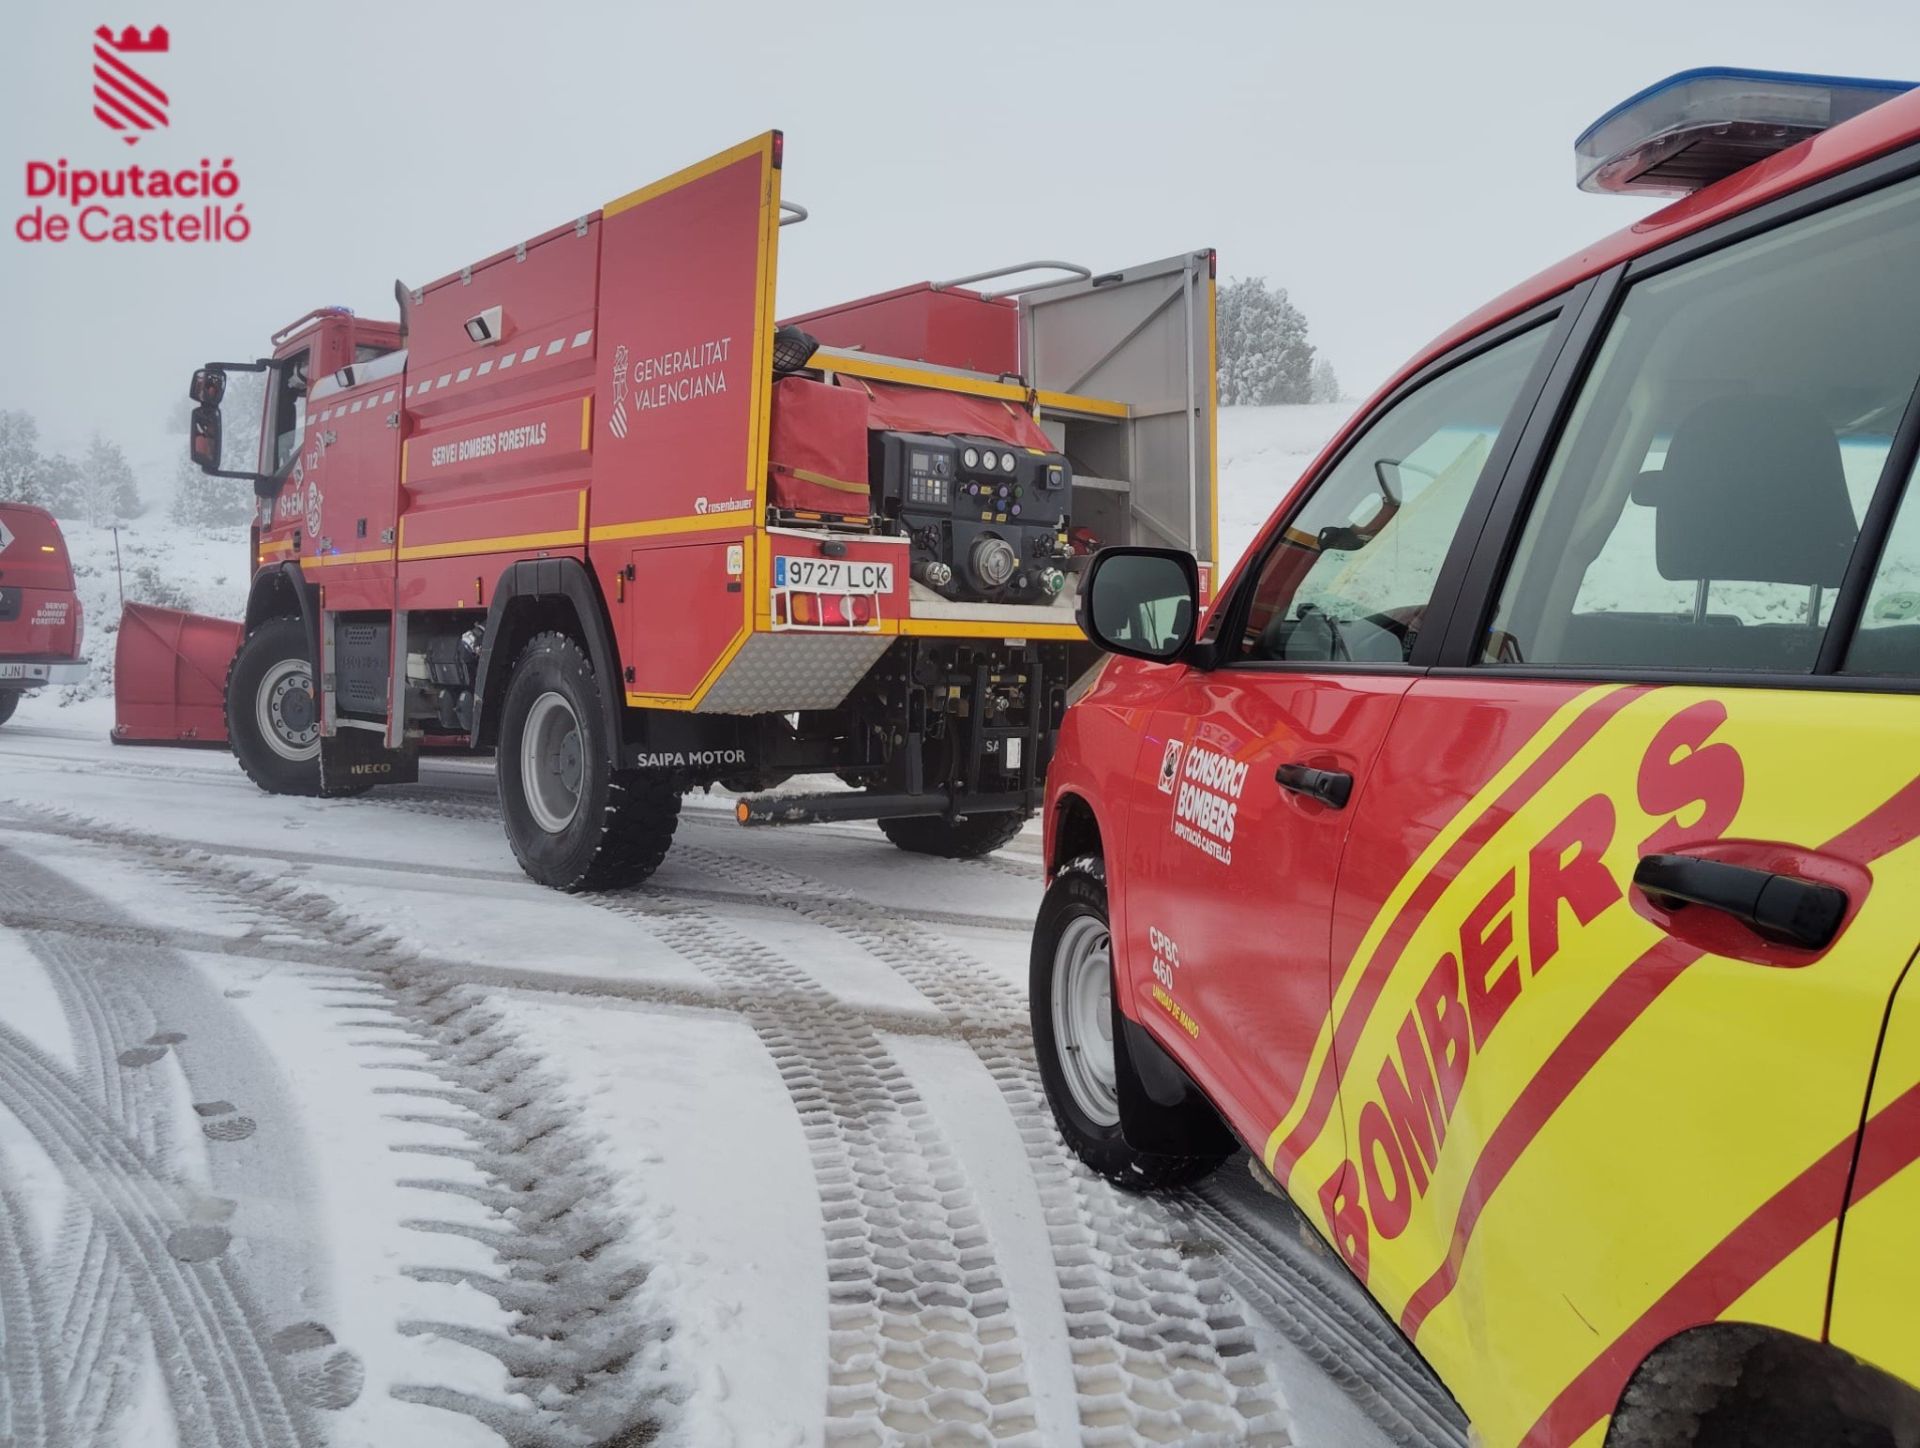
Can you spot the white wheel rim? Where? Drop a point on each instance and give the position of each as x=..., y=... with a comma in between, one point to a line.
x=1083, y=1017
x=284, y=709
x=552, y=763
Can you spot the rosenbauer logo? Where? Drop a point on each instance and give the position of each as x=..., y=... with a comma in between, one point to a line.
x=71, y=201
x=125, y=99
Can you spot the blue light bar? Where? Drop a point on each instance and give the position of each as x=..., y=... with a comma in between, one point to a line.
x=1693, y=128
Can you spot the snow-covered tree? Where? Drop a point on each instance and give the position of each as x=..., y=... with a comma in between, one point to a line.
x=107, y=488
x=209, y=503
x=60, y=486
x=1265, y=356
x=20, y=475
x=1324, y=386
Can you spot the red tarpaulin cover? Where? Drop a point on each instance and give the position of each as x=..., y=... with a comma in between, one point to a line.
x=897, y=408
x=817, y=454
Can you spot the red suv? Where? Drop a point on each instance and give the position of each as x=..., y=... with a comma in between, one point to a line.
x=1518, y=855
x=41, y=627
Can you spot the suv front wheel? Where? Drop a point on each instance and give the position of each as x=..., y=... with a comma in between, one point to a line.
x=1070, y=993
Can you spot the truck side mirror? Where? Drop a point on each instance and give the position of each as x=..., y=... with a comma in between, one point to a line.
x=1141, y=602
x=203, y=444
x=209, y=387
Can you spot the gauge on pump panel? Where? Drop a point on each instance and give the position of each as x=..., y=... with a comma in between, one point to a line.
x=971, y=457
x=1006, y=462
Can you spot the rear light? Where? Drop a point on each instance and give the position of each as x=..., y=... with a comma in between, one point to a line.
x=832, y=610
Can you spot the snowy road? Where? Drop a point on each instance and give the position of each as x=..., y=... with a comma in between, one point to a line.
x=319, y=1124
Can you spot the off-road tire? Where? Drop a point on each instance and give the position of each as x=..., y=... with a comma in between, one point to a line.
x=1080, y=889
x=966, y=838
x=625, y=819
x=274, y=642
x=9, y=701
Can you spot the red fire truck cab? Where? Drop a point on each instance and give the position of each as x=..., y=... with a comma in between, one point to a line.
x=587, y=503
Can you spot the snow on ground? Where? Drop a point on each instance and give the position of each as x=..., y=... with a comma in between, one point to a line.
x=320, y=1124
x=396, y=1147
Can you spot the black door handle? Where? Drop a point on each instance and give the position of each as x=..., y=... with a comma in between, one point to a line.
x=1329, y=786
x=1780, y=907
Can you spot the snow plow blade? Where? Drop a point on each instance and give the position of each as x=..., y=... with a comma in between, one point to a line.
x=170, y=676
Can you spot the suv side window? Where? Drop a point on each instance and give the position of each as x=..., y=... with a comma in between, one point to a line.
x=1703, y=501
x=1352, y=572
x=1888, y=638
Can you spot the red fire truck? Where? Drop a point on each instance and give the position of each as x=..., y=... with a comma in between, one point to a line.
x=585, y=502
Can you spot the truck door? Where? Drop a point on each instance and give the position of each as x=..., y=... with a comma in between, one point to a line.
x=1623, y=911
x=1230, y=864
x=1144, y=338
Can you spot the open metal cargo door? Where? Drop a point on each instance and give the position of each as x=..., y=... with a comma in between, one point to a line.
x=1143, y=337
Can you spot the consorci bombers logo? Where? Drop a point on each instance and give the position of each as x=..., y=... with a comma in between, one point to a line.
x=193, y=201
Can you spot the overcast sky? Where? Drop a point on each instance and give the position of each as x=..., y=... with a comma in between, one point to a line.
x=1392, y=166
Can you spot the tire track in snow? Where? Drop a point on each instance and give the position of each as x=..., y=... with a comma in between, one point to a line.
x=1296, y=1287
x=32, y=1400
x=226, y=1388
x=118, y=990
x=97, y=1327
x=69, y=825
x=1160, y=1350
x=922, y=1345
x=578, y=1353
x=1303, y=1299
x=258, y=947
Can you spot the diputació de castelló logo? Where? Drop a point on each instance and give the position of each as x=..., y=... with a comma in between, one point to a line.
x=125, y=99
x=154, y=203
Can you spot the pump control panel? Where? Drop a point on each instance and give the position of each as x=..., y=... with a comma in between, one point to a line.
x=987, y=519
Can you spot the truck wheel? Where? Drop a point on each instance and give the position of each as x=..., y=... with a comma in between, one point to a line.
x=575, y=821
x=1070, y=994
x=273, y=714
x=9, y=701
x=965, y=838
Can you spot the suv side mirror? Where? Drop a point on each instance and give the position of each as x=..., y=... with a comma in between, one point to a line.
x=1141, y=602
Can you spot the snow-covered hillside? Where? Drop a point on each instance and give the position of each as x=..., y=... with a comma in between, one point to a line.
x=1263, y=451
x=157, y=561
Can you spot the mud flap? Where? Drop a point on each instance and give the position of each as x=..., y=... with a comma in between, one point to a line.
x=355, y=758
x=1161, y=1110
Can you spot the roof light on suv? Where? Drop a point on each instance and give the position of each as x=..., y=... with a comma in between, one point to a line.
x=1693, y=128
